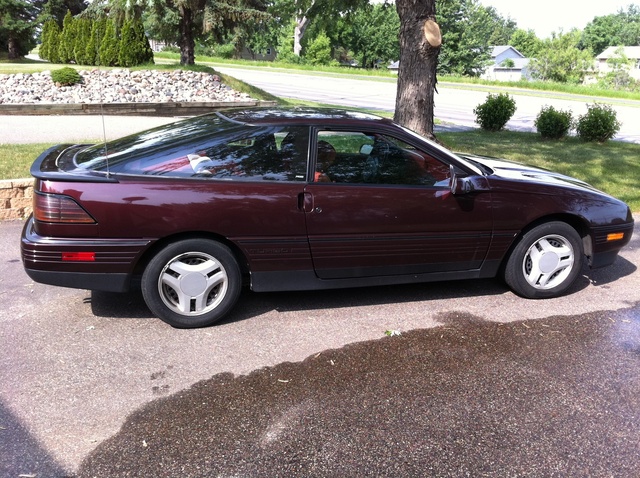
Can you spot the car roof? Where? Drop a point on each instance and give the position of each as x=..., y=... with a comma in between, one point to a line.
x=298, y=114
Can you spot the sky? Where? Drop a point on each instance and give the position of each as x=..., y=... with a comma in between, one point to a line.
x=546, y=16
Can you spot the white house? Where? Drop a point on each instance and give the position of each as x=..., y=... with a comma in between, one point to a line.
x=508, y=64
x=632, y=53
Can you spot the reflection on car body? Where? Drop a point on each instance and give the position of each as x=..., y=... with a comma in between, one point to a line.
x=298, y=199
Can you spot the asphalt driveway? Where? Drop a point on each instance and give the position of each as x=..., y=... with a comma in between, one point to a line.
x=478, y=383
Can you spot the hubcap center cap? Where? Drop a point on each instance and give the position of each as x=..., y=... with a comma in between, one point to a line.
x=193, y=284
x=549, y=262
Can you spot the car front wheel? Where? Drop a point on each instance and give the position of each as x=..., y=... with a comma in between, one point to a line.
x=192, y=283
x=546, y=261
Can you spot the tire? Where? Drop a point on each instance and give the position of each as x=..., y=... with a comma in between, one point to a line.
x=192, y=283
x=545, y=262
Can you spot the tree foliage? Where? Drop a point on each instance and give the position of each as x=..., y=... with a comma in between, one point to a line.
x=67, y=39
x=622, y=28
x=526, y=42
x=468, y=31
x=370, y=34
x=17, y=26
x=192, y=19
x=134, y=45
x=561, y=60
x=109, y=50
x=57, y=9
x=319, y=51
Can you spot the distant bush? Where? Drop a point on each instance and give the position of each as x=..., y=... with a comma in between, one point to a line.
x=226, y=51
x=600, y=123
x=553, y=124
x=493, y=114
x=66, y=76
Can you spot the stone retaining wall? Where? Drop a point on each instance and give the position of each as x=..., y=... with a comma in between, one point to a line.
x=16, y=197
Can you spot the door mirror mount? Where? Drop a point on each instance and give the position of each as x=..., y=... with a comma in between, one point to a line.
x=460, y=183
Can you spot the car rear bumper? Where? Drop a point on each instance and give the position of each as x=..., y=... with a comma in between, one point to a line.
x=111, y=268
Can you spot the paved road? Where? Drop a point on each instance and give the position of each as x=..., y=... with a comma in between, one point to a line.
x=492, y=384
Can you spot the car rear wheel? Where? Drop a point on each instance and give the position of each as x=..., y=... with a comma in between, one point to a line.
x=546, y=261
x=192, y=283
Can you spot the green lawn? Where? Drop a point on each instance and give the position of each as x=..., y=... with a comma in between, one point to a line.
x=613, y=167
x=16, y=159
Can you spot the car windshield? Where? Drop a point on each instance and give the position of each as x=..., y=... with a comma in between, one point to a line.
x=473, y=166
x=153, y=142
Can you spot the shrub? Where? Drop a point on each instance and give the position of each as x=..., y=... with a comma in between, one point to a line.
x=600, y=123
x=494, y=113
x=226, y=51
x=552, y=123
x=66, y=76
x=319, y=51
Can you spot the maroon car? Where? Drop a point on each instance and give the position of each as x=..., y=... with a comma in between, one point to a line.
x=297, y=199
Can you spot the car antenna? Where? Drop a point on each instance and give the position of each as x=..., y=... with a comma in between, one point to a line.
x=104, y=131
x=104, y=128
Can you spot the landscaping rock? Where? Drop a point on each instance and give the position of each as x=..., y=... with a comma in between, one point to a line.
x=119, y=85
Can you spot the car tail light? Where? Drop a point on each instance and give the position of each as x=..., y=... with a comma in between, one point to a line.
x=79, y=256
x=59, y=209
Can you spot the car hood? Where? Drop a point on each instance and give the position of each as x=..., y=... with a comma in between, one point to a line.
x=510, y=170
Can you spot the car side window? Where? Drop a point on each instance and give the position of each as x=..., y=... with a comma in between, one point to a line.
x=252, y=154
x=371, y=158
x=272, y=155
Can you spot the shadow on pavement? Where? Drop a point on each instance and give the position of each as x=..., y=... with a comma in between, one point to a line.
x=553, y=397
x=20, y=453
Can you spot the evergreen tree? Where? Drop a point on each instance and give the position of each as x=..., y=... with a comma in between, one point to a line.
x=83, y=36
x=56, y=9
x=53, y=40
x=44, y=37
x=145, y=51
x=17, y=26
x=92, y=52
x=125, y=53
x=67, y=39
x=110, y=46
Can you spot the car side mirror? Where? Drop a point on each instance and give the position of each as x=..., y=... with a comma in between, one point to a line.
x=459, y=183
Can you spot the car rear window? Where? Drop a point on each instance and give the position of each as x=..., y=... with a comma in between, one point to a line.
x=206, y=147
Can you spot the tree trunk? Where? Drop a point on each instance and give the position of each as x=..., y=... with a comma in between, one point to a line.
x=417, y=70
x=298, y=33
x=13, y=45
x=187, y=41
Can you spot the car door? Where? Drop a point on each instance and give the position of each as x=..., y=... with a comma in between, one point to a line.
x=379, y=206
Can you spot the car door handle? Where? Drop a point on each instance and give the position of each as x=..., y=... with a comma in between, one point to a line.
x=305, y=202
